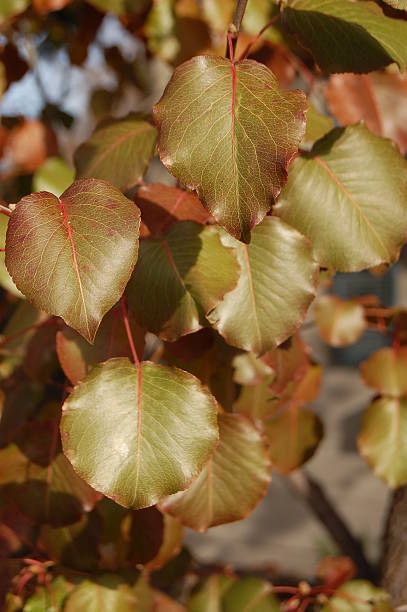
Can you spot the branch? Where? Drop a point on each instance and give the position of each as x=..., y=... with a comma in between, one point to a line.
x=5, y=210
x=234, y=27
x=314, y=495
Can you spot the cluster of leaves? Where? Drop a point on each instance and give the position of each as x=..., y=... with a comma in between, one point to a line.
x=155, y=375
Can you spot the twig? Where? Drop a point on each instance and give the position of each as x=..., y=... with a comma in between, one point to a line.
x=5, y=210
x=128, y=332
x=234, y=27
x=259, y=35
x=314, y=495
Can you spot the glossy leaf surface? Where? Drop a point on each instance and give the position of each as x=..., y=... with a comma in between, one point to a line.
x=383, y=439
x=340, y=322
x=231, y=484
x=354, y=214
x=227, y=131
x=162, y=430
x=386, y=370
x=347, y=36
x=277, y=268
x=180, y=278
x=118, y=151
x=72, y=256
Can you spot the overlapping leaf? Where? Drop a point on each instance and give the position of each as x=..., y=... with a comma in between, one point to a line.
x=72, y=256
x=54, y=176
x=180, y=278
x=276, y=286
x=9, y=8
x=118, y=151
x=231, y=484
x=398, y=4
x=386, y=371
x=354, y=214
x=158, y=436
x=359, y=596
x=209, y=595
x=347, y=36
x=109, y=593
x=340, y=322
x=251, y=594
x=227, y=131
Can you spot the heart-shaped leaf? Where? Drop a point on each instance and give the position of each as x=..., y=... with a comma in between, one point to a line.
x=231, y=484
x=347, y=36
x=138, y=434
x=190, y=267
x=73, y=256
x=386, y=371
x=354, y=214
x=277, y=269
x=340, y=322
x=118, y=151
x=228, y=131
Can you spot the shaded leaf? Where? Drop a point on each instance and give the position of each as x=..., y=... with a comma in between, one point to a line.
x=108, y=593
x=120, y=7
x=386, y=371
x=208, y=597
x=54, y=176
x=171, y=544
x=347, y=36
x=72, y=256
x=383, y=439
x=49, y=598
x=232, y=483
x=146, y=535
x=277, y=268
x=340, y=322
x=355, y=219
x=359, y=596
x=251, y=594
x=243, y=163
x=377, y=99
x=162, y=430
x=119, y=151
x=192, y=269
x=9, y=8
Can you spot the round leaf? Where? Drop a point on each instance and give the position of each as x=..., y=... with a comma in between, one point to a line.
x=73, y=256
x=231, y=484
x=386, y=370
x=340, y=322
x=228, y=131
x=192, y=269
x=276, y=286
x=383, y=439
x=354, y=213
x=138, y=433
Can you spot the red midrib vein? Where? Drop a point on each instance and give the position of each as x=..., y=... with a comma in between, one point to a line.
x=233, y=126
x=75, y=260
x=114, y=146
x=172, y=263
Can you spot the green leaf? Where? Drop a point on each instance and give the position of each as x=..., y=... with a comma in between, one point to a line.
x=54, y=176
x=277, y=269
x=251, y=129
x=193, y=270
x=119, y=151
x=340, y=322
x=208, y=597
x=232, y=483
x=354, y=213
x=251, y=594
x=120, y=7
x=9, y=8
x=6, y=282
x=383, y=439
x=109, y=593
x=48, y=599
x=138, y=433
x=318, y=125
x=359, y=596
x=347, y=36
x=77, y=357
x=385, y=371
x=73, y=256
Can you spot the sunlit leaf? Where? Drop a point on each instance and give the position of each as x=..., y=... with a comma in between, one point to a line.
x=54, y=176
x=193, y=270
x=383, y=439
x=251, y=594
x=340, y=322
x=318, y=125
x=119, y=151
x=161, y=428
x=354, y=214
x=208, y=597
x=49, y=598
x=231, y=484
x=386, y=371
x=72, y=256
x=347, y=36
x=359, y=596
x=227, y=131
x=277, y=268
x=109, y=593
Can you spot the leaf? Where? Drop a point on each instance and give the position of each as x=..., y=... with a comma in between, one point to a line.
x=340, y=322
x=334, y=571
x=277, y=268
x=398, y=4
x=120, y=7
x=377, y=99
x=77, y=357
x=171, y=544
x=109, y=593
x=9, y=8
x=208, y=597
x=359, y=596
x=251, y=594
x=161, y=428
x=162, y=206
x=385, y=371
x=28, y=146
x=383, y=439
x=49, y=598
x=43, y=7
x=73, y=256
x=54, y=176
x=233, y=482
x=347, y=36
x=252, y=131
x=193, y=270
x=6, y=281
x=355, y=220
x=318, y=125
x=119, y=151
x=146, y=535
x=294, y=436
